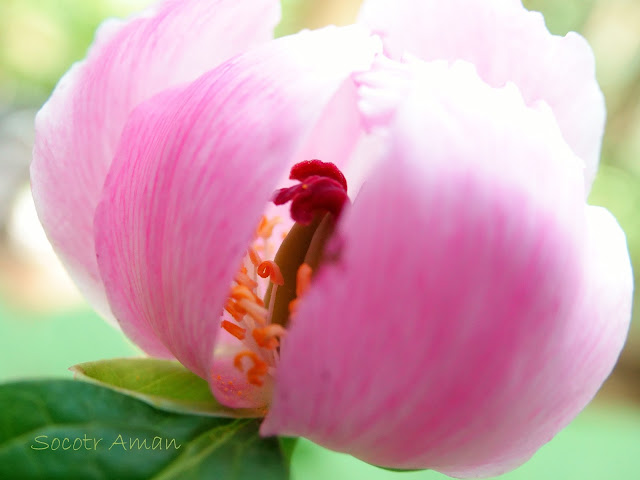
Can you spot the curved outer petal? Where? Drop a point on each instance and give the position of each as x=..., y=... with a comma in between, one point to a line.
x=506, y=43
x=78, y=128
x=465, y=322
x=195, y=169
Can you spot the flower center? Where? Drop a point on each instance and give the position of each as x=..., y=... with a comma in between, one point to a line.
x=260, y=321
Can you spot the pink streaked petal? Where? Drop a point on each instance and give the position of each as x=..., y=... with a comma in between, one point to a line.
x=418, y=365
x=456, y=98
x=78, y=128
x=382, y=89
x=603, y=315
x=340, y=115
x=452, y=332
x=507, y=44
x=195, y=169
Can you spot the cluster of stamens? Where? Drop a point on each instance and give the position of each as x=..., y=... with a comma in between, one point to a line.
x=322, y=190
x=251, y=319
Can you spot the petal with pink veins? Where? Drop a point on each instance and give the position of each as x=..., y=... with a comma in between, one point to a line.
x=195, y=169
x=78, y=129
x=465, y=320
x=507, y=43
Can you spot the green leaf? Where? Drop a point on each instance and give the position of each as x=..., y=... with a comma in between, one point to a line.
x=288, y=445
x=162, y=383
x=126, y=439
x=396, y=470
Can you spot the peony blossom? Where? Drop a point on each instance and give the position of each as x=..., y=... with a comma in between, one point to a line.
x=451, y=302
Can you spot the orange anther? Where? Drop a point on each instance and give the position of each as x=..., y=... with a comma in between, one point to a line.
x=236, y=311
x=265, y=228
x=240, y=291
x=257, y=371
x=235, y=330
x=253, y=356
x=254, y=257
x=255, y=379
x=244, y=279
x=293, y=306
x=261, y=225
x=270, y=269
x=303, y=279
x=255, y=311
x=267, y=337
x=303, y=282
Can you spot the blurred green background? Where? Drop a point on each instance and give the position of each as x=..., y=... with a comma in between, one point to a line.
x=45, y=327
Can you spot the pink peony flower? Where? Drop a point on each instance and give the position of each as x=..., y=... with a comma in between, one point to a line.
x=459, y=302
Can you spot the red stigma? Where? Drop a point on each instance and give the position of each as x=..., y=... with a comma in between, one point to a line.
x=323, y=188
x=303, y=170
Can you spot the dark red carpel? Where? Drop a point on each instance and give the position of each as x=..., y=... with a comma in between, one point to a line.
x=322, y=188
x=317, y=168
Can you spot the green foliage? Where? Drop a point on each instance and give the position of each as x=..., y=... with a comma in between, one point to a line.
x=164, y=384
x=565, y=16
x=293, y=12
x=68, y=430
x=40, y=39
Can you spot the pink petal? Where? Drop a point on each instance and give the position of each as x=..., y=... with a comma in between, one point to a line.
x=459, y=330
x=195, y=169
x=507, y=44
x=78, y=128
